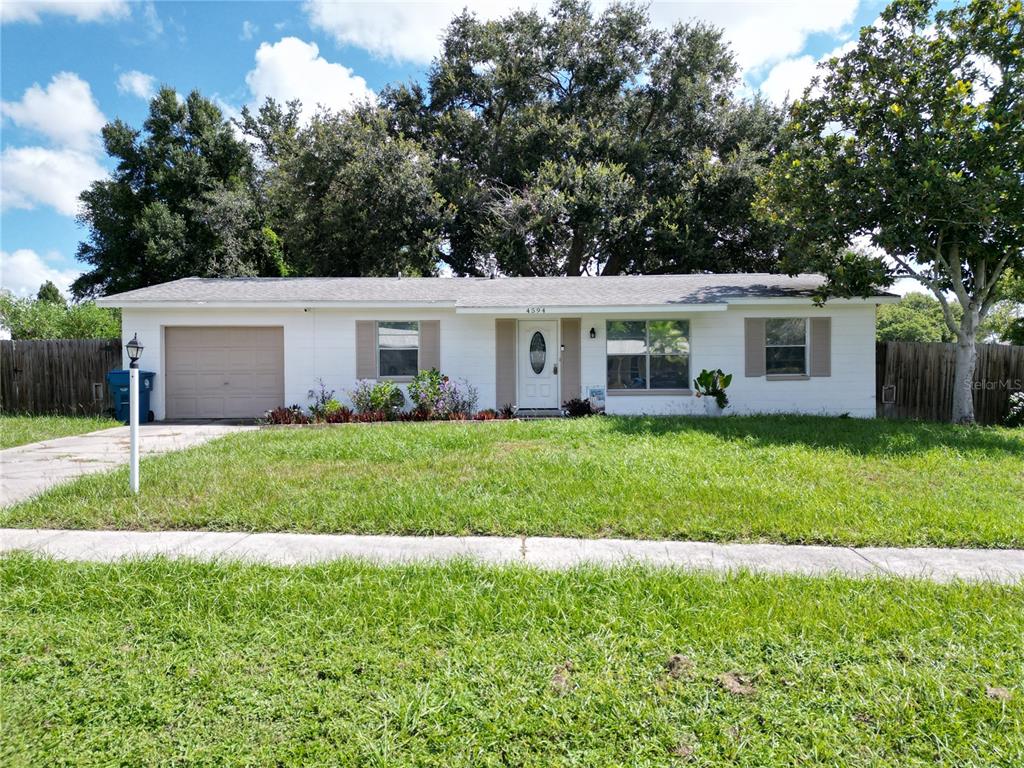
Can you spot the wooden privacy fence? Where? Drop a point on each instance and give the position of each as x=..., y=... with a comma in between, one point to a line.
x=57, y=376
x=914, y=380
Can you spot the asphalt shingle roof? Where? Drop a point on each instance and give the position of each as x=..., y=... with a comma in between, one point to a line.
x=643, y=290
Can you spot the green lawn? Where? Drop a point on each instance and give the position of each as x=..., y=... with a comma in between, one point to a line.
x=780, y=479
x=22, y=429
x=157, y=663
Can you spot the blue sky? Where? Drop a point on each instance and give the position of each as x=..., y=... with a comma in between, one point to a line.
x=69, y=66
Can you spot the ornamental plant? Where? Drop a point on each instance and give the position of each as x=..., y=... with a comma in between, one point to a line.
x=713, y=384
x=425, y=390
x=382, y=397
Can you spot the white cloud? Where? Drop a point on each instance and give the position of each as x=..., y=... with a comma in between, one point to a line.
x=249, y=30
x=80, y=10
x=789, y=78
x=24, y=270
x=761, y=31
x=39, y=176
x=65, y=112
x=137, y=84
x=293, y=69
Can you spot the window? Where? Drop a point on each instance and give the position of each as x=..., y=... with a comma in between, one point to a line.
x=651, y=354
x=785, y=347
x=398, y=348
x=538, y=352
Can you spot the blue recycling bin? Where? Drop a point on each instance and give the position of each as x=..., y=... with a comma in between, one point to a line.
x=118, y=382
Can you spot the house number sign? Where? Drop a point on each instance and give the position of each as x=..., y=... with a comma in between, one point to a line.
x=535, y=310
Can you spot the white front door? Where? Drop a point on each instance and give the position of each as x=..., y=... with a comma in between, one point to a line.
x=538, y=364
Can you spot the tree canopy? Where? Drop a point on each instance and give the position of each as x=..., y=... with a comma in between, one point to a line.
x=917, y=317
x=578, y=143
x=914, y=140
x=46, y=318
x=566, y=143
x=48, y=291
x=346, y=195
x=181, y=202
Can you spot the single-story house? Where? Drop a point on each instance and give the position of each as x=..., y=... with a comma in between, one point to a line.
x=237, y=347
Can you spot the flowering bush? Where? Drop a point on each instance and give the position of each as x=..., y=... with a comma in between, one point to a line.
x=1015, y=418
x=436, y=396
x=455, y=402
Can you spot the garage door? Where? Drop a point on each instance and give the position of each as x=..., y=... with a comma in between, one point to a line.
x=223, y=372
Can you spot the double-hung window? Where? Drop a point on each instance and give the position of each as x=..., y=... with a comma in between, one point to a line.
x=398, y=348
x=648, y=354
x=785, y=347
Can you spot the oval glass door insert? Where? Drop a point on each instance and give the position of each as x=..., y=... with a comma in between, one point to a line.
x=538, y=352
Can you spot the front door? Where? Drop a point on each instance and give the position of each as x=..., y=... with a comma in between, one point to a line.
x=538, y=364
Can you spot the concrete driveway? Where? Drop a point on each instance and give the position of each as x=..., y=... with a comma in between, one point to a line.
x=27, y=470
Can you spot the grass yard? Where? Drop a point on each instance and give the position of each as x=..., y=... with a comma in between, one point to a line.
x=790, y=479
x=154, y=662
x=24, y=429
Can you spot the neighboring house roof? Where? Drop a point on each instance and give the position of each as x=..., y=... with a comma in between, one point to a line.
x=476, y=292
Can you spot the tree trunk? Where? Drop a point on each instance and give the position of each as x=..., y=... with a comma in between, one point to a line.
x=963, y=374
x=575, y=266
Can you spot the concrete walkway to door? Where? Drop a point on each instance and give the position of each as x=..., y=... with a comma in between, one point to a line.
x=27, y=470
x=943, y=565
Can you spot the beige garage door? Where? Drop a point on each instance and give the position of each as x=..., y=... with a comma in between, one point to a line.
x=223, y=372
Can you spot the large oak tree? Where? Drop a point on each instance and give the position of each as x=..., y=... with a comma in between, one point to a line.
x=578, y=143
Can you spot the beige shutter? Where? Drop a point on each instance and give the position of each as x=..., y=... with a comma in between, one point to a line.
x=753, y=333
x=366, y=349
x=821, y=346
x=569, y=371
x=505, y=363
x=430, y=344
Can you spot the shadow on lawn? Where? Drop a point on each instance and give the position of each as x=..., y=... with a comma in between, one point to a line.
x=866, y=437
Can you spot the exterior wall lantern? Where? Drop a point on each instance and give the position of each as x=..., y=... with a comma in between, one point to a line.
x=593, y=333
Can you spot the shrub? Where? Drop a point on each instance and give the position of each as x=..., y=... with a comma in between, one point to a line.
x=1015, y=418
x=324, y=402
x=576, y=408
x=507, y=411
x=370, y=416
x=360, y=396
x=340, y=415
x=49, y=319
x=425, y=390
x=384, y=397
x=487, y=414
x=291, y=415
x=455, y=402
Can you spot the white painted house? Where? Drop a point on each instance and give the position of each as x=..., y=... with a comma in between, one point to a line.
x=238, y=347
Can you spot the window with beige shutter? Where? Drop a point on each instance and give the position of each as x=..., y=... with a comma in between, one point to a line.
x=398, y=348
x=785, y=346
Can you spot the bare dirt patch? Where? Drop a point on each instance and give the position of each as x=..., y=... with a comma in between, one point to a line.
x=737, y=683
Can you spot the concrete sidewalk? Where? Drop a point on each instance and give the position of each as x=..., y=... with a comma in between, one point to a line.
x=1005, y=566
x=27, y=470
